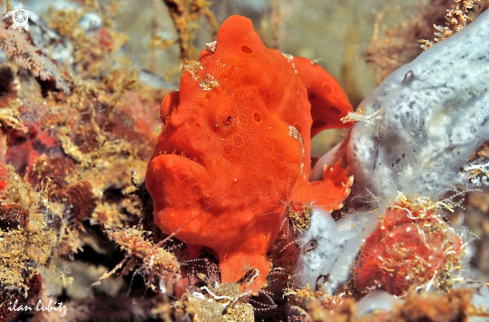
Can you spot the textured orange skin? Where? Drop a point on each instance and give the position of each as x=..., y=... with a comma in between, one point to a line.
x=382, y=264
x=225, y=163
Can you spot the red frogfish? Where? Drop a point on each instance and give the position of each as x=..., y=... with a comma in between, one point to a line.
x=236, y=144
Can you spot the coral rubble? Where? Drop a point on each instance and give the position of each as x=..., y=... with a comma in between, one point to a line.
x=68, y=146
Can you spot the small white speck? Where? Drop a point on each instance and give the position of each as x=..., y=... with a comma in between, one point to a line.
x=211, y=46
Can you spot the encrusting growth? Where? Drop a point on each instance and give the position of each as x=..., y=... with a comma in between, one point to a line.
x=412, y=246
x=457, y=18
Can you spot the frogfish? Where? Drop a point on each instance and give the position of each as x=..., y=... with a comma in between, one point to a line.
x=235, y=150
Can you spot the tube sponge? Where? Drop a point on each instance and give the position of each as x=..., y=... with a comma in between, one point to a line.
x=425, y=121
